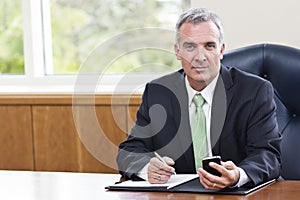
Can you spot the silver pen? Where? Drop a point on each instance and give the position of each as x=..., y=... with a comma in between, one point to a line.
x=161, y=159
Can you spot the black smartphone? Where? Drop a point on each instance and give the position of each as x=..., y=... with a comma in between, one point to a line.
x=206, y=167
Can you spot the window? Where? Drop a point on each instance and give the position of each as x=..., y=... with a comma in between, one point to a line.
x=11, y=37
x=80, y=26
x=61, y=37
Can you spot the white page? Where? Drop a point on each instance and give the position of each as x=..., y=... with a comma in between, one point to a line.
x=173, y=181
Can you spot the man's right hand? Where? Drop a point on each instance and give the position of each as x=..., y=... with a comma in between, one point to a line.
x=158, y=171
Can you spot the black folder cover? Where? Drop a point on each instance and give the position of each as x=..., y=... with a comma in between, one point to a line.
x=193, y=186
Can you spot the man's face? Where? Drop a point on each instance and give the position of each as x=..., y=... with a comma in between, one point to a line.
x=200, y=52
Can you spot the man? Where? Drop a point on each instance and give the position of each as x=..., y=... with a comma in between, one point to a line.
x=241, y=104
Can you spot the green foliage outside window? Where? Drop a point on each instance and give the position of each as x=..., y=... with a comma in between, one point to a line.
x=79, y=26
x=11, y=37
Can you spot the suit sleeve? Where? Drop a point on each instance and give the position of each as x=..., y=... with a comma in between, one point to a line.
x=263, y=139
x=135, y=152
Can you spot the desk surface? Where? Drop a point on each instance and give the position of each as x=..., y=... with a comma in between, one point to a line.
x=60, y=185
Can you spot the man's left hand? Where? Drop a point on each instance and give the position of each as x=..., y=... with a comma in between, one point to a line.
x=230, y=175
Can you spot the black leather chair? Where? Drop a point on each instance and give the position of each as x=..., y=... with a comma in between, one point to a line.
x=281, y=66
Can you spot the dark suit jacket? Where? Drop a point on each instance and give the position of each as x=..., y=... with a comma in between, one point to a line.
x=243, y=126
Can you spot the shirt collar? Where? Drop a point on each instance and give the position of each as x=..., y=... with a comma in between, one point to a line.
x=207, y=93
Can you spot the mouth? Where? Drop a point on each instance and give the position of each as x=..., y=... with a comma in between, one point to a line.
x=199, y=68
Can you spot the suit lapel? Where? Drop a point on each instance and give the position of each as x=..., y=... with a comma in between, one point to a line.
x=218, y=112
x=221, y=101
x=182, y=121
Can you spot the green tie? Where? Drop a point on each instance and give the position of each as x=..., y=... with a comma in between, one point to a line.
x=199, y=131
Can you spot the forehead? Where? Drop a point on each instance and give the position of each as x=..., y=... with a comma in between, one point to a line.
x=201, y=32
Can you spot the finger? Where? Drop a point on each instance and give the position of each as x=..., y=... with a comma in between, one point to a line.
x=154, y=179
x=210, y=181
x=233, y=172
x=219, y=168
x=156, y=164
x=216, y=186
x=211, y=185
x=168, y=160
x=164, y=171
x=169, y=170
x=229, y=171
x=203, y=177
x=207, y=184
x=158, y=178
x=204, y=182
x=159, y=165
x=164, y=178
x=160, y=169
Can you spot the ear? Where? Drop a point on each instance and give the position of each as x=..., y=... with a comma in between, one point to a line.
x=177, y=52
x=222, y=50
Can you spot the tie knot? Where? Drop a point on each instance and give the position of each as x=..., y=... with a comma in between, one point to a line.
x=198, y=100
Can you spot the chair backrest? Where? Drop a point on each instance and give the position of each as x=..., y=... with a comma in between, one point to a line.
x=281, y=66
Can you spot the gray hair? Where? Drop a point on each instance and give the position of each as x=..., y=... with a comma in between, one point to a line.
x=198, y=15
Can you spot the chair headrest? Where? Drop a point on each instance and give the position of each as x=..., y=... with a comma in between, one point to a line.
x=277, y=63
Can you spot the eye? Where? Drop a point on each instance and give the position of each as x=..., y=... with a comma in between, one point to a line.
x=189, y=46
x=211, y=45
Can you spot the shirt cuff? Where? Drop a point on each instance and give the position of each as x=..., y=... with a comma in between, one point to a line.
x=243, y=178
x=143, y=173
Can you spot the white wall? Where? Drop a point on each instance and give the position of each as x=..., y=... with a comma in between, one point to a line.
x=257, y=21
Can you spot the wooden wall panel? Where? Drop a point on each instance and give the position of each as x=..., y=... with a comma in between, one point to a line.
x=63, y=144
x=55, y=139
x=16, y=150
x=101, y=131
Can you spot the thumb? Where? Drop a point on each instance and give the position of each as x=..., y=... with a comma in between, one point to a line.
x=228, y=165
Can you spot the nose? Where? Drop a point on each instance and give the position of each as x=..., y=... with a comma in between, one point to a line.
x=200, y=54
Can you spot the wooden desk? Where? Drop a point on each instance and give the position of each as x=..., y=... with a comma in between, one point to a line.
x=72, y=186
